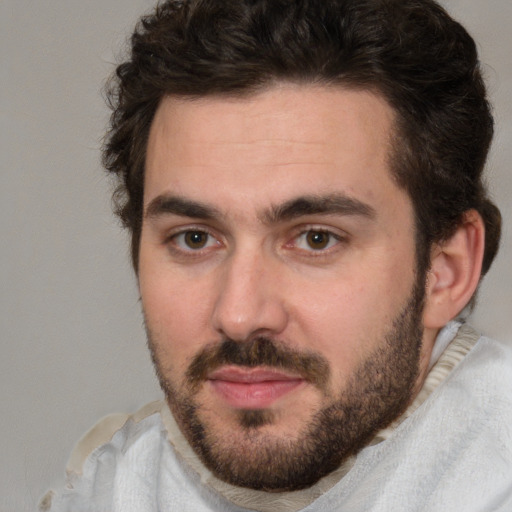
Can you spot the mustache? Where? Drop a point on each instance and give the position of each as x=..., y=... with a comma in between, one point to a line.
x=260, y=351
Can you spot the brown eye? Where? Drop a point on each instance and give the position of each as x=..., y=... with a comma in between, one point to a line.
x=195, y=239
x=318, y=239
x=190, y=241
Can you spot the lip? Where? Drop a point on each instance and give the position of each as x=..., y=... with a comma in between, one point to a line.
x=252, y=388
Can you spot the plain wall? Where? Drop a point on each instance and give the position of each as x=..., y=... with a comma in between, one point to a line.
x=73, y=347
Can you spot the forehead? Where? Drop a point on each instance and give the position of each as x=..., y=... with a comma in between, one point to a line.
x=287, y=141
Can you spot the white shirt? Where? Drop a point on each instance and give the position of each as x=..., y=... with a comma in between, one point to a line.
x=450, y=451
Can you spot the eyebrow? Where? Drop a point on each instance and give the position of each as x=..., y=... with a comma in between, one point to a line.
x=339, y=204
x=174, y=205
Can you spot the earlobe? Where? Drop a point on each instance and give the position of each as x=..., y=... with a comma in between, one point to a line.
x=454, y=273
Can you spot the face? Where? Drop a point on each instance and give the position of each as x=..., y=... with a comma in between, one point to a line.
x=278, y=279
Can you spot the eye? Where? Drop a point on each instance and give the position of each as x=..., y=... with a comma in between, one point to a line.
x=316, y=240
x=194, y=240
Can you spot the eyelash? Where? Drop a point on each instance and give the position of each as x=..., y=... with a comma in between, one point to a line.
x=334, y=239
x=171, y=241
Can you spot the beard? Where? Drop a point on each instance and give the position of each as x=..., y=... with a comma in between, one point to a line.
x=378, y=391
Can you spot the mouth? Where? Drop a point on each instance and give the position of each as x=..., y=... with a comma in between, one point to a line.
x=252, y=388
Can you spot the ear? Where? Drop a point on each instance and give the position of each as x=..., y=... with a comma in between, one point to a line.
x=454, y=273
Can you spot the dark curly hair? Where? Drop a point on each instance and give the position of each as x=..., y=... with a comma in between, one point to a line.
x=411, y=52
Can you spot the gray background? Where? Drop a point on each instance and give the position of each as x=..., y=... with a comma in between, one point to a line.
x=73, y=348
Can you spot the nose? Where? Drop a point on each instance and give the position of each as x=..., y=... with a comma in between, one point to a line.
x=250, y=300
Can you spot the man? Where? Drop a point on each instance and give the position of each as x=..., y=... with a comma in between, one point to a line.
x=303, y=185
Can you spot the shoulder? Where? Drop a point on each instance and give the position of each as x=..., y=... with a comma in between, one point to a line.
x=485, y=383
x=96, y=459
x=461, y=434
x=472, y=416
x=491, y=362
x=104, y=432
x=478, y=392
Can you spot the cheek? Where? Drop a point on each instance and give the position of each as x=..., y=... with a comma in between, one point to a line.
x=338, y=325
x=176, y=314
x=346, y=318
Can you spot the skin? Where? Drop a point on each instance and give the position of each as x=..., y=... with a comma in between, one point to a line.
x=227, y=252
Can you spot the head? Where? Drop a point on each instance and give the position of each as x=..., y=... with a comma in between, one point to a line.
x=421, y=61
x=390, y=87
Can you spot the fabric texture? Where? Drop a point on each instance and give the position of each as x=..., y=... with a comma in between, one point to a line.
x=451, y=450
